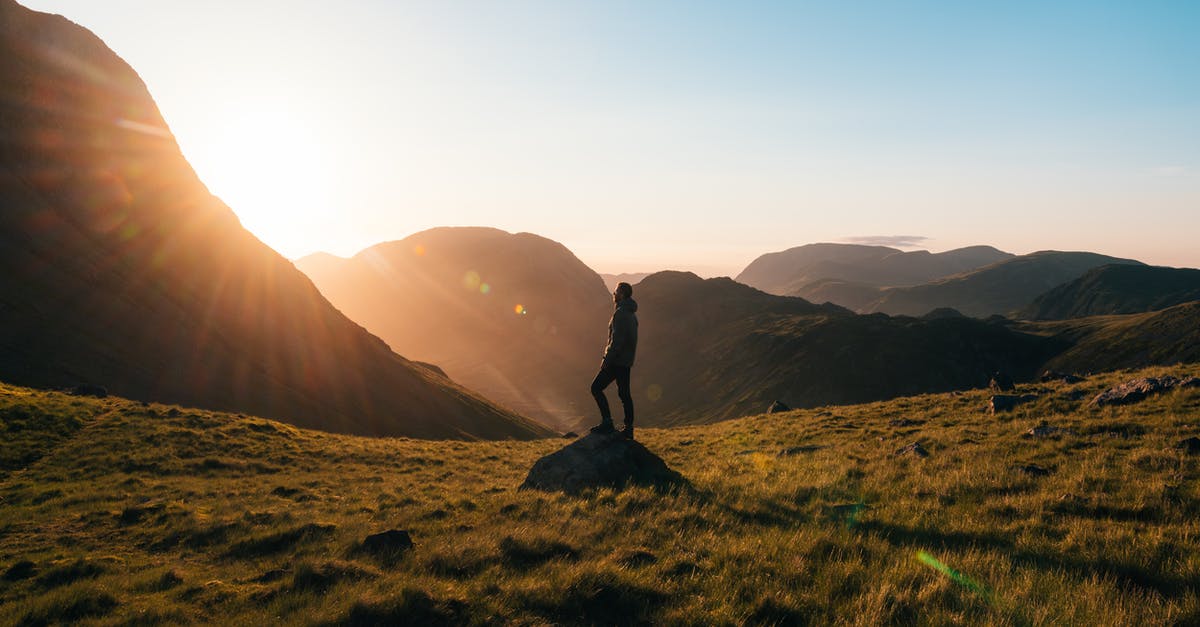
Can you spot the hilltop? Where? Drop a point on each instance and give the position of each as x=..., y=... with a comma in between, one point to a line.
x=1117, y=289
x=1057, y=512
x=119, y=269
x=516, y=317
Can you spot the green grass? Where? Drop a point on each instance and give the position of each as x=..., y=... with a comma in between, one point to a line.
x=123, y=514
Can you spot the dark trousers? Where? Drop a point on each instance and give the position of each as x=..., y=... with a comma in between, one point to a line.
x=607, y=375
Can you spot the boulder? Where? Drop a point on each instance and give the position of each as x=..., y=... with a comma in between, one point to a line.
x=601, y=460
x=778, y=406
x=1007, y=402
x=1135, y=391
x=1191, y=445
x=1001, y=382
x=1045, y=431
x=390, y=543
x=914, y=449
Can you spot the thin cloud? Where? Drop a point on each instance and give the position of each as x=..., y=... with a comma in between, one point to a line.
x=898, y=241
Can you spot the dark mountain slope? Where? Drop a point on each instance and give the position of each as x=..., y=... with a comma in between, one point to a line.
x=1117, y=289
x=516, y=316
x=717, y=349
x=117, y=267
x=1001, y=288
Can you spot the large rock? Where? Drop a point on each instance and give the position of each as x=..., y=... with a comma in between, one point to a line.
x=1138, y=389
x=600, y=461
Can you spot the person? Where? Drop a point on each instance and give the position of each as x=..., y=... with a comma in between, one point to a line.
x=618, y=360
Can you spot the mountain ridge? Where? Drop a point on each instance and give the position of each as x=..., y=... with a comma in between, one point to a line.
x=514, y=315
x=122, y=270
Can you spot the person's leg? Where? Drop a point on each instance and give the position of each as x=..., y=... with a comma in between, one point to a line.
x=602, y=380
x=622, y=377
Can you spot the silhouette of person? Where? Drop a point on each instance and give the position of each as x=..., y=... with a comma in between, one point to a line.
x=618, y=360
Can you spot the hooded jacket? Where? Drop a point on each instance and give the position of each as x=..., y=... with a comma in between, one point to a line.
x=622, y=335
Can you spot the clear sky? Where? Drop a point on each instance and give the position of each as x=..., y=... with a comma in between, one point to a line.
x=691, y=135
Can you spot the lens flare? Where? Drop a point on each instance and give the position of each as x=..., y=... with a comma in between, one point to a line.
x=419, y=250
x=654, y=392
x=471, y=280
x=955, y=576
x=485, y=289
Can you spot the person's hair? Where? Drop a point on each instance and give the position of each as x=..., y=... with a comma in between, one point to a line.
x=626, y=289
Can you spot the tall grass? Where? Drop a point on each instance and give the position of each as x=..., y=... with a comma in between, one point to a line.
x=128, y=514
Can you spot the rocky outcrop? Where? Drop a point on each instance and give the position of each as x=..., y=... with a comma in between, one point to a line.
x=1137, y=390
x=601, y=461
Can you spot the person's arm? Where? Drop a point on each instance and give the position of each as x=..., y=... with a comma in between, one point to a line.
x=620, y=336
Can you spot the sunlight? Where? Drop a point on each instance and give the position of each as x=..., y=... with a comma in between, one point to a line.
x=268, y=166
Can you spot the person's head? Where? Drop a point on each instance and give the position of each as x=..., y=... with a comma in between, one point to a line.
x=623, y=291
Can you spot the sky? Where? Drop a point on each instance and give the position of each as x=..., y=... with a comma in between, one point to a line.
x=692, y=135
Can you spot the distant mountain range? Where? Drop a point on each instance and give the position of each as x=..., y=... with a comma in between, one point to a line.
x=792, y=272
x=978, y=281
x=1117, y=289
x=118, y=268
x=715, y=349
x=999, y=289
x=515, y=316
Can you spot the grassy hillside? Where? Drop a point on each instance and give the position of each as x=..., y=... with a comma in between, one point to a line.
x=126, y=513
x=1117, y=289
x=1104, y=343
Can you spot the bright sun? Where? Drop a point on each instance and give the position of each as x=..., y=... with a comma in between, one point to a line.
x=268, y=167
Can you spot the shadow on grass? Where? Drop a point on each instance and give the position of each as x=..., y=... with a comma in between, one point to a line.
x=521, y=553
x=1166, y=584
x=410, y=607
x=279, y=542
x=601, y=598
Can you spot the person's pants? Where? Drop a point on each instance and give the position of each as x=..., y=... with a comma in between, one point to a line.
x=607, y=375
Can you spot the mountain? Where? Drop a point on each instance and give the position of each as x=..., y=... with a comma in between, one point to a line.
x=516, y=316
x=1103, y=343
x=1117, y=289
x=716, y=349
x=1001, y=288
x=119, y=268
x=632, y=278
x=789, y=272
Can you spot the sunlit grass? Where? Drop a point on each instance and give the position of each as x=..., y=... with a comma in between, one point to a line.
x=123, y=513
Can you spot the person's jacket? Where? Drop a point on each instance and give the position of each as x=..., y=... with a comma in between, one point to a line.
x=622, y=335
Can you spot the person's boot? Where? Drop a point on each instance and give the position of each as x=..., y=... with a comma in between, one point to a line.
x=605, y=426
x=627, y=432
